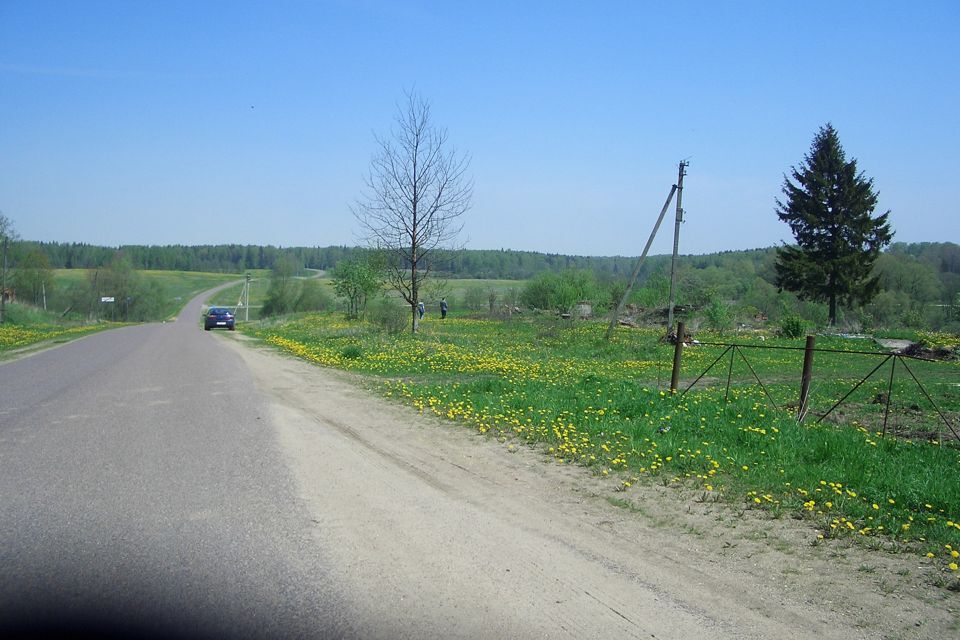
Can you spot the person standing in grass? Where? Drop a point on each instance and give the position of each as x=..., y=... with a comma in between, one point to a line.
x=420, y=309
x=443, y=308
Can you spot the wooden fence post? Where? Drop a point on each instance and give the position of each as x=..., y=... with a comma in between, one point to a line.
x=677, y=351
x=805, y=377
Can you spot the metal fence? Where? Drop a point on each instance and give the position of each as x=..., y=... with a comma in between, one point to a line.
x=737, y=353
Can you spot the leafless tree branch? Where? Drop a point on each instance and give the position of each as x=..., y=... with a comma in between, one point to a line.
x=416, y=191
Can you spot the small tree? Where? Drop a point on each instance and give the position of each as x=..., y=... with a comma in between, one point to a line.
x=718, y=314
x=417, y=190
x=282, y=292
x=120, y=281
x=829, y=209
x=7, y=235
x=34, y=276
x=356, y=280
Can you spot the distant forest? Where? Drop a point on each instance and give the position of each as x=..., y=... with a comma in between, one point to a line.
x=233, y=258
x=920, y=282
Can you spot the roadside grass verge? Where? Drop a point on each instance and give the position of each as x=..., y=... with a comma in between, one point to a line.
x=25, y=326
x=603, y=405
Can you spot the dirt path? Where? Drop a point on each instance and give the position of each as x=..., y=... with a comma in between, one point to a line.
x=435, y=531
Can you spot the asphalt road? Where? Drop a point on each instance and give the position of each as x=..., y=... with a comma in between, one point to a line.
x=159, y=481
x=142, y=494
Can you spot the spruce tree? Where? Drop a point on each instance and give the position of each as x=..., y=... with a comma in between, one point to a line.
x=829, y=208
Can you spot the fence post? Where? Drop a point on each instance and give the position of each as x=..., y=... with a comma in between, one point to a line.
x=805, y=377
x=677, y=350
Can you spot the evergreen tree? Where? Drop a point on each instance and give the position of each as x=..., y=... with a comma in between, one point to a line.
x=829, y=208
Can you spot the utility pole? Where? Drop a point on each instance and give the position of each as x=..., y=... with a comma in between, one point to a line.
x=615, y=317
x=6, y=234
x=96, y=296
x=676, y=241
x=246, y=299
x=3, y=283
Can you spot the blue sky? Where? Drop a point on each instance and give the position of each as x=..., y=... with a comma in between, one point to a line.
x=253, y=123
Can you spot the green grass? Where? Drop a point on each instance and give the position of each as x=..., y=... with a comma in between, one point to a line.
x=911, y=413
x=604, y=405
x=25, y=326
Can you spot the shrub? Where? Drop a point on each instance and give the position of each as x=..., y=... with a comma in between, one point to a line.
x=718, y=315
x=351, y=352
x=560, y=292
x=912, y=319
x=313, y=297
x=389, y=316
x=792, y=326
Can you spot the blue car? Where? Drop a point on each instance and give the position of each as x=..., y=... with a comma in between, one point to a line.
x=218, y=318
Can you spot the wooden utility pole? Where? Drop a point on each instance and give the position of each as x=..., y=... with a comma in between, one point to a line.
x=3, y=283
x=676, y=238
x=615, y=317
x=246, y=298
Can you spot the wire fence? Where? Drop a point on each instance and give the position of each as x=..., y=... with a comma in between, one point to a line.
x=887, y=392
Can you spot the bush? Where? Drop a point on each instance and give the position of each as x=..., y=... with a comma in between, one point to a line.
x=792, y=326
x=560, y=292
x=475, y=299
x=314, y=296
x=718, y=315
x=352, y=352
x=912, y=319
x=389, y=316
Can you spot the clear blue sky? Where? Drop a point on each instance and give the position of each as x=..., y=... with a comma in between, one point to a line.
x=207, y=122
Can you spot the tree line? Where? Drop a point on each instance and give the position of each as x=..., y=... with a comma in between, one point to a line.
x=484, y=264
x=918, y=282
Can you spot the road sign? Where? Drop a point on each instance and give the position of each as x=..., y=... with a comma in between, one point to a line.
x=106, y=299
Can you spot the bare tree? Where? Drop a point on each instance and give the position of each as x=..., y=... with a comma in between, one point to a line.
x=416, y=191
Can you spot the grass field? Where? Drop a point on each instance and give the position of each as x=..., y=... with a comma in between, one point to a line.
x=605, y=405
